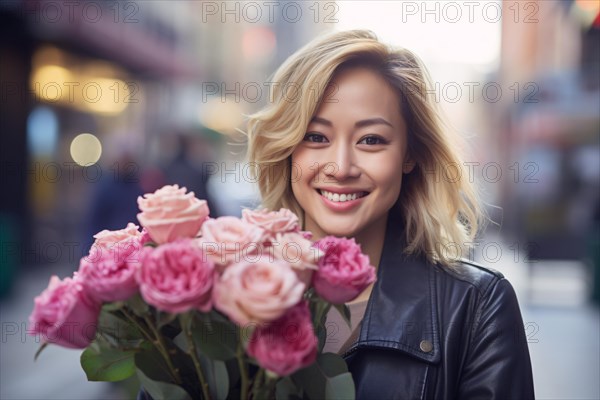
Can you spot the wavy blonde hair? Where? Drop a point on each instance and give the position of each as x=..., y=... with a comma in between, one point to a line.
x=439, y=208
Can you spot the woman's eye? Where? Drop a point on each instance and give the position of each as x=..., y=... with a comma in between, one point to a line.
x=315, y=138
x=372, y=139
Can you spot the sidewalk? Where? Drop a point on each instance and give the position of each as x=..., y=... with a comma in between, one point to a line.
x=562, y=327
x=57, y=373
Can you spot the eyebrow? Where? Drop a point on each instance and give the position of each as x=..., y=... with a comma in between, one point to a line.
x=358, y=124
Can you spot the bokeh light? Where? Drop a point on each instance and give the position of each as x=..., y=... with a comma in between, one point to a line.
x=86, y=149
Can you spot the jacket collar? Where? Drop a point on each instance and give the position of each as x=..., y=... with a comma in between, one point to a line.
x=402, y=311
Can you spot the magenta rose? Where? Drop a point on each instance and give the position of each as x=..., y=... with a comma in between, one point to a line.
x=286, y=344
x=170, y=213
x=257, y=291
x=109, y=275
x=228, y=240
x=176, y=277
x=306, y=234
x=272, y=221
x=64, y=315
x=344, y=271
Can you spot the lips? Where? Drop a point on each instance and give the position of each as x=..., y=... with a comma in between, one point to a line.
x=342, y=196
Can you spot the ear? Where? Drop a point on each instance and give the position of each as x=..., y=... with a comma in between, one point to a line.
x=408, y=166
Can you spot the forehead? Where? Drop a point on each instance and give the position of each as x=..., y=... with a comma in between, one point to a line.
x=361, y=92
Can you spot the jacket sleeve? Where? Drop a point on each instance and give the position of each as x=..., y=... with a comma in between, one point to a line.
x=497, y=364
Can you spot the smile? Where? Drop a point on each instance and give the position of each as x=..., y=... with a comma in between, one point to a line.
x=341, y=197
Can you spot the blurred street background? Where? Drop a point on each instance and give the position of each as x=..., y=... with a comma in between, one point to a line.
x=104, y=100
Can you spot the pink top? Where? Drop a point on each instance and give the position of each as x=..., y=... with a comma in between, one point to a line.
x=339, y=336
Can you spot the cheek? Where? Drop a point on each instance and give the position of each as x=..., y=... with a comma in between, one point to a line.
x=303, y=162
x=387, y=173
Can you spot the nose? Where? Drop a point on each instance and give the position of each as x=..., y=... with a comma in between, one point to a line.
x=342, y=163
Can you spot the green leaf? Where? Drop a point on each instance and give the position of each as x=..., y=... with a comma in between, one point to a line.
x=155, y=376
x=332, y=364
x=286, y=389
x=119, y=331
x=340, y=387
x=344, y=312
x=222, y=379
x=164, y=318
x=316, y=379
x=311, y=380
x=117, y=305
x=213, y=338
x=321, y=336
x=320, y=310
x=137, y=304
x=107, y=364
x=217, y=377
x=159, y=390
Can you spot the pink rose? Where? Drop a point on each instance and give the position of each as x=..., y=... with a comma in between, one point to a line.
x=227, y=240
x=344, y=271
x=145, y=238
x=176, y=277
x=257, y=291
x=107, y=239
x=272, y=221
x=298, y=252
x=286, y=344
x=307, y=234
x=170, y=213
x=64, y=315
x=109, y=275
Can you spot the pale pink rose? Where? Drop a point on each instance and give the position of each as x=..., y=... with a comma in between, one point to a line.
x=170, y=213
x=286, y=344
x=228, y=240
x=344, y=271
x=258, y=291
x=109, y=275
x=272, y=221
x=176, y=277
x=63, y=314
x=298, y=252
x=107, y=239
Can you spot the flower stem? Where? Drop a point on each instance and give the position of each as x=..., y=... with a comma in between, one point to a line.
x=270, y=385
x=256, y=386
x=157, y=341
x=194, y=355
x=137, y=324
x=243, y=371
x=162, y=347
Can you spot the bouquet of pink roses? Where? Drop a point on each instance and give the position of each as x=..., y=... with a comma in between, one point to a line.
x=199, y=307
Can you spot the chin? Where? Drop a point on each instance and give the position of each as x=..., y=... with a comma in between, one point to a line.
x=339, y=231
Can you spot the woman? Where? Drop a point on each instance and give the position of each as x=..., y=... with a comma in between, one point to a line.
x=351, y=142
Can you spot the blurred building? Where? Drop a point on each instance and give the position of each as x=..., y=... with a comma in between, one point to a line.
x=77, y=77
x=91, y=88
x=548, y=127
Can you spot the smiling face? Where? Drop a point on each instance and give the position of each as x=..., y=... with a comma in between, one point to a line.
x=352, y=157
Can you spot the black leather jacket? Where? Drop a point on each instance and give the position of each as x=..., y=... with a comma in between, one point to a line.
x=434, y=333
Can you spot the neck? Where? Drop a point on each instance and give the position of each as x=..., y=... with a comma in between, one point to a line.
x=371, y=240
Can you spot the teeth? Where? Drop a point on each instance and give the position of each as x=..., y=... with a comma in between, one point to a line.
x=341, y=197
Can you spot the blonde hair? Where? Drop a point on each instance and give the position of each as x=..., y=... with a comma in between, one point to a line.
x=438, y=209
